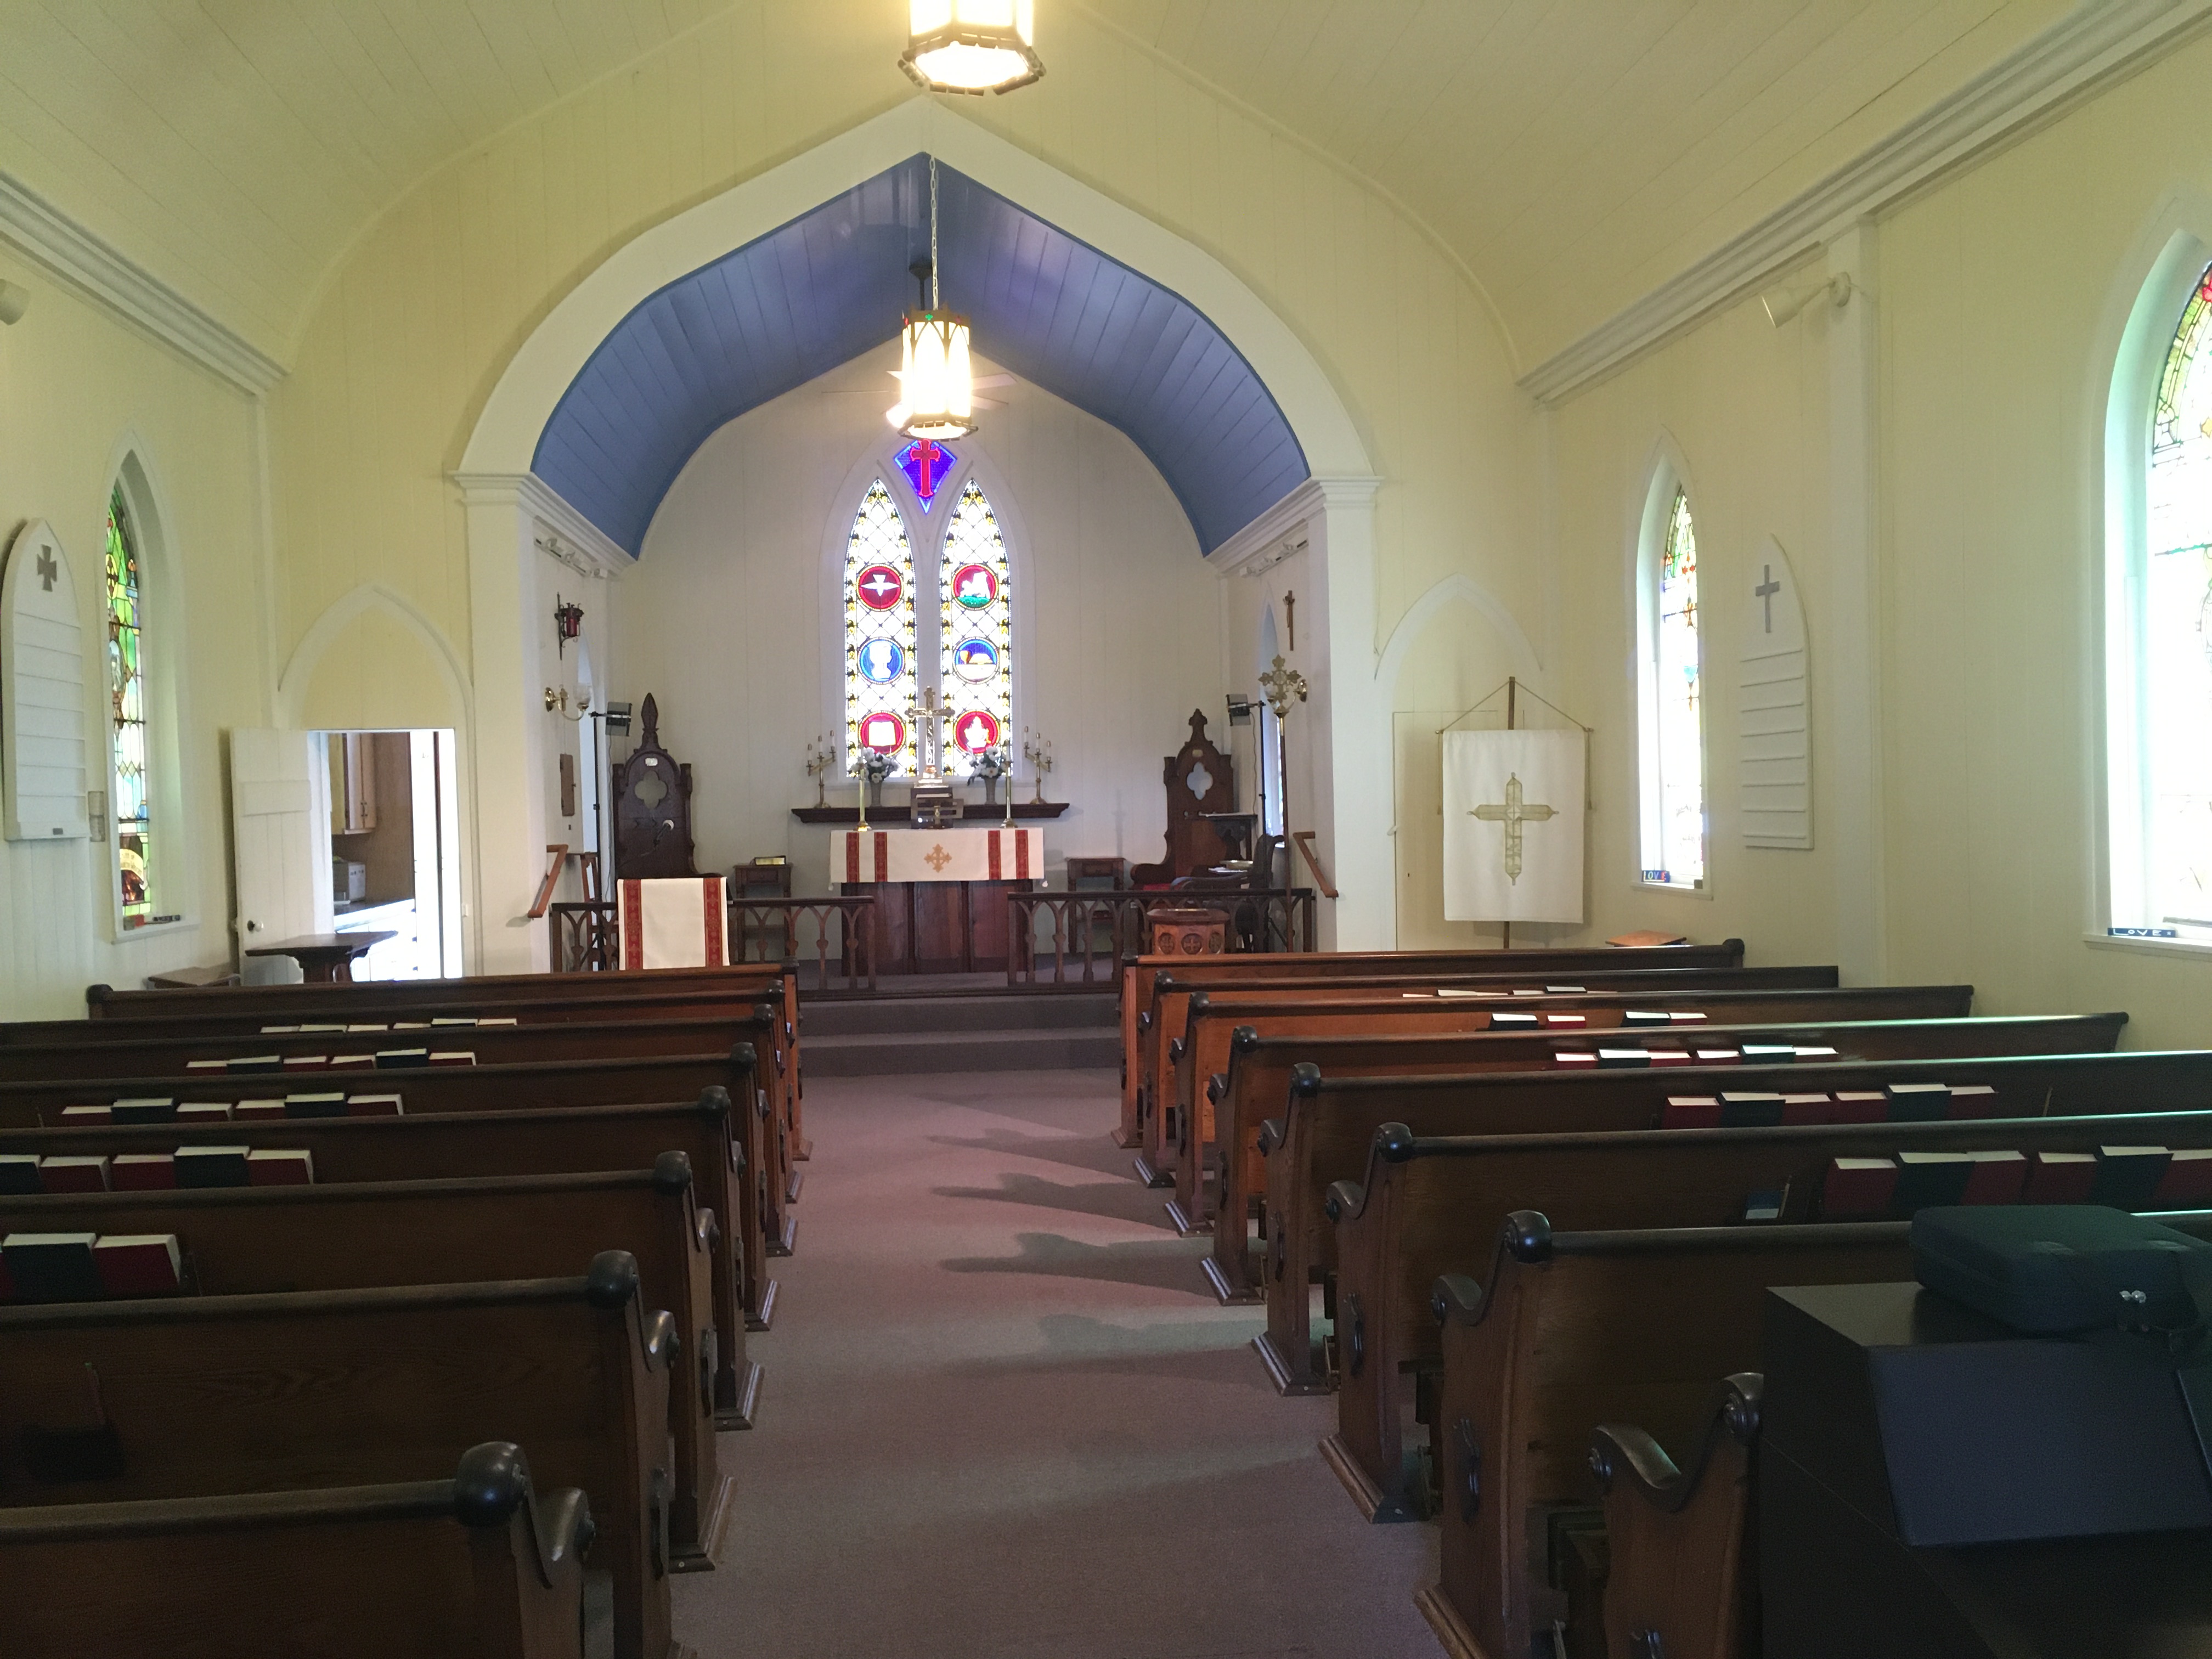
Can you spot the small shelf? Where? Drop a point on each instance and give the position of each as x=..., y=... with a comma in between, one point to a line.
x=892, y=814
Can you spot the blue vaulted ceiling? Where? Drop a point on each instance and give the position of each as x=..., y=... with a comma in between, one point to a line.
x=827, y=286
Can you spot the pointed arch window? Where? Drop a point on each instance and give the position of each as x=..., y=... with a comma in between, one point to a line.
x=2162, y=841
x=1672, y=681
x=880, y=635
x=975, y=632
x=126, y=686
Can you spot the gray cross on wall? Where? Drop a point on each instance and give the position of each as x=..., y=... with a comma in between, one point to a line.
x=49, y=572
x=1765, y=591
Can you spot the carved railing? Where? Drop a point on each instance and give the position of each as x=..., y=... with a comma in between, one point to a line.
x=1081, y=938
x=837, y=935
x=583, y=936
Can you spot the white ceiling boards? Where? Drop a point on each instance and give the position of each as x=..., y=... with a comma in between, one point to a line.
x=42, y=744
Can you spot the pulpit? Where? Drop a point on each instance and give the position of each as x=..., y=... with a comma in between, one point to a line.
x=941, y=894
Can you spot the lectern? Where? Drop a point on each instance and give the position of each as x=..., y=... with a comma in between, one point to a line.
x=1931, y=1483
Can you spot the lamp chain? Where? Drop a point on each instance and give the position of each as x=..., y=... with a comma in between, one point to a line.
x=932, y=235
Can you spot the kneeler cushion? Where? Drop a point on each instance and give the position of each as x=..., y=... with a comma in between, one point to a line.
x=678, y=922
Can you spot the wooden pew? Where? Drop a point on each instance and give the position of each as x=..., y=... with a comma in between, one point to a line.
x=194, y=1396
x=551, y=1141
x=1330, y=1124
x=1167, y=1018
x=1138, y=973
x=482, y=1088
x=240, y=1240
x=1265, y=1064
x=482, y=1563
x=1429, y=1206
x=1570, y=1332
x=1212, y=1018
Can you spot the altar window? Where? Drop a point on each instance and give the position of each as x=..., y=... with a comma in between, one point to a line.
x=880, y=635
x=126, y=685
x=2169, y=886
x=1673, y=683
x=975, y=633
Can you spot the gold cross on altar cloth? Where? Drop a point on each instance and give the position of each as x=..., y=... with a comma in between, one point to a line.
x=1513, y=814
x=937, y=858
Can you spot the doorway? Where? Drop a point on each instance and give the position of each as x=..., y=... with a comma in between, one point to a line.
x=391, y=844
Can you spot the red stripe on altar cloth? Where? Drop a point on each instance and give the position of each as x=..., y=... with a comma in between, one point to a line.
x=883, y=855
x=996, y=860
x=712, y=888
x=633, y=925
x=852, y=855
x=1022, y=871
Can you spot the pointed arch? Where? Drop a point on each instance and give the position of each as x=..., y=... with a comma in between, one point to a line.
x=1673, y=840
x=976, y=630
x=373, y=600
x=882, y=674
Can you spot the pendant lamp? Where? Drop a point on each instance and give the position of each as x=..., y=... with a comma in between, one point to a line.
x=972, y=46
x=937, y=381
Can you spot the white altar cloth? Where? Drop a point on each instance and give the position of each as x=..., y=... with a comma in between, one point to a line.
x=962, y=855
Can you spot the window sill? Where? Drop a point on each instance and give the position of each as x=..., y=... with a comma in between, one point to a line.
x=2157, y=947
x=1670, y=887
x=157, y=930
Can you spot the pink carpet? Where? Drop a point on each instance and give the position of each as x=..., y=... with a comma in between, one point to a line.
x=1005, y=1419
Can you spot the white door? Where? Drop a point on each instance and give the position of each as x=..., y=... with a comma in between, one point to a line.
x=275, y=842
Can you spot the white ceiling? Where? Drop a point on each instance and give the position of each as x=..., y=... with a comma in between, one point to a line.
x=1572, y=153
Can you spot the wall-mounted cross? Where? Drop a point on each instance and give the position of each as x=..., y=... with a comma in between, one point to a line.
x=49, y=572
x=1765, y=591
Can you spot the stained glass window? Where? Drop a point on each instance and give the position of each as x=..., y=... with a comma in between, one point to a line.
x=126, y=685
x=927, y=466
x=975, y=639
x=1675, y=833
x=2176, y=701
x=879, y=654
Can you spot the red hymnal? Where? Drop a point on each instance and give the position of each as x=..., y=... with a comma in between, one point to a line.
x=74, y=1115
x=143, y=1172
x=2060, y=1177
x=372, y=1106
x=1581, y=1057
x=276, y=1166
x=260, y=1109
x=73, y=1174
x=453, y=1056
x=1808, y=1108
x=1857, y=1186
x=353, y=1062
x=2187, y=1184
x=1862, y=1106
x=1672, y=1057
x=1996, y=1178
x=139, y=1264
x=1692, y=1112
x=1975, y=1100
x=1720, y=1057
x=1566, y=1019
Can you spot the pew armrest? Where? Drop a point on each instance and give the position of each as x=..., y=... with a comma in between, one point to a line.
x=1344, y=1200
x=1456, y=1298
x=1175, y=1051
x=1216, y=1086
x=1273, y=1133
x=1145, y=1021
x=1623, y=1456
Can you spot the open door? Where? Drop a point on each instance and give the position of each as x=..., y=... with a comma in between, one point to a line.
x=274, y=845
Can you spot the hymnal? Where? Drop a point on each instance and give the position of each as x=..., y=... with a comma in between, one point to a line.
x=74, y=1173
x=259, y=1108
x=330, y=1104
x=1671, y=1057
x=1765, y=1205
x=452, y=1021
x=453, y=1056
x=1525, y=1022
x=211, y=1166
x=1748, y=1109
x=255, y=1064
x=2060, y=1177
x=73, y=1116
x=1809, y=1056
x=1629, y=1058
x=1856, y=1188
x=353, y=1062
x=1691, y=1112
x=143, y=1172
x=351, y=1030
x=1566, y=1019
x=1808, y=1108
x=1862, y=1106
x=1927, y=1179
x=202, y=1111
x=19, y=1174
x=1975, y=1100
x=280, y=1166
x=51, y=1267
x=1574, y=1058
x=307, y=1062
x=1916, y=1102
x=396, y=1059
x=1768, y=1054
x=1720, y=1057
x=2128, y=1176
x=1997, y=1178
x=147, y=1109
x=508, y=1019
x=2187, y=1183
x=1643, y=1017
x=1565, y=991
x=139, y=1264
x=373, y=1106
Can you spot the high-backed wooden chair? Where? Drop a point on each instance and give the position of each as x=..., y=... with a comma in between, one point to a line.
x=1199, y=781
x=653, y=809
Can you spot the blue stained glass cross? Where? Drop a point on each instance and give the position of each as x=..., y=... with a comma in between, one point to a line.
x=925, y=465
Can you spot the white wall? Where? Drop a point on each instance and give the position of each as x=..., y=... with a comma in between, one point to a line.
x=726, y=619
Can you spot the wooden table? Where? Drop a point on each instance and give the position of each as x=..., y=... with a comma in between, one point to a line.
x=326, y=958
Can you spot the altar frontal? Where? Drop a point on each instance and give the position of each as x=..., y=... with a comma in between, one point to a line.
x=862, y=856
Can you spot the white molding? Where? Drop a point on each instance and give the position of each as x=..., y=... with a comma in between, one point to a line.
x=1280, y=530
x=87, y=262
x=564, y=533
x=2099, y=41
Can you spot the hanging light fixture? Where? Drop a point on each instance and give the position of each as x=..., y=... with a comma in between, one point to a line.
x=937, y=381
x=972, y=46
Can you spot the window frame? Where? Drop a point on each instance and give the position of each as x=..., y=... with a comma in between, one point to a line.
x=2122, y=832
x=1666, y=478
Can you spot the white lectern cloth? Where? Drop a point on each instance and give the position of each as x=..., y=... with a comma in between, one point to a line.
x=678, y=922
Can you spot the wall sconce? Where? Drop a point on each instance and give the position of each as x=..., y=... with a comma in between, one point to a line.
x=559, y=700
x=1783, y=303
x=568, y=622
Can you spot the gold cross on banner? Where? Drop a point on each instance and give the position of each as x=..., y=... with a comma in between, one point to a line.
x=937, y=858
x=1513, y=814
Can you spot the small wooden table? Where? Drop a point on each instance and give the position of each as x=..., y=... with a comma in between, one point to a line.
x=326, y=958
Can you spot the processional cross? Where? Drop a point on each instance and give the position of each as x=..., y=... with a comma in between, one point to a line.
x=1513, y=814
x=929, y=740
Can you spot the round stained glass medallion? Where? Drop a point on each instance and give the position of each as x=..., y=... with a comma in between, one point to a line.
x=975, y=731
x=975, y=586
x=879, y=587
x=975, y=660
x=881, y=661
x=885, y=733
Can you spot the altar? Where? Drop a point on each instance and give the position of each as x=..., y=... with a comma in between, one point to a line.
x=941, y=894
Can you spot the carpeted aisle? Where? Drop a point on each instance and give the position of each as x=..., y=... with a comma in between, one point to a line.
x=1004, y=1418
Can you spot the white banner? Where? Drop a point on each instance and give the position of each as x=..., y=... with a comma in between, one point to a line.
x=1513, y=826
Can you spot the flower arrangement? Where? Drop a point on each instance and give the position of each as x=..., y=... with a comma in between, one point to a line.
x=994, y=762
x=874, y=766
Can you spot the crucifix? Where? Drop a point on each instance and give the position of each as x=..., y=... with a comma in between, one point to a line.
x=1513, y=812
x=48, y=570
x=1766, y=592
x=1291, y=615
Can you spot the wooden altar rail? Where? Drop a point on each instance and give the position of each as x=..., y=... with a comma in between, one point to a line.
x=761, y=930
x=1081, y=938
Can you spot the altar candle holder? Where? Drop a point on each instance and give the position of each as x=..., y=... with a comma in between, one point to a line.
x=1038, y=751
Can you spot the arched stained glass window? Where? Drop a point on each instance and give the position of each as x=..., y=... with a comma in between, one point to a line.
x=975, y=639
x=1673, y=724
x=880, y=635
x=2176, y=663
x=126, y=686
